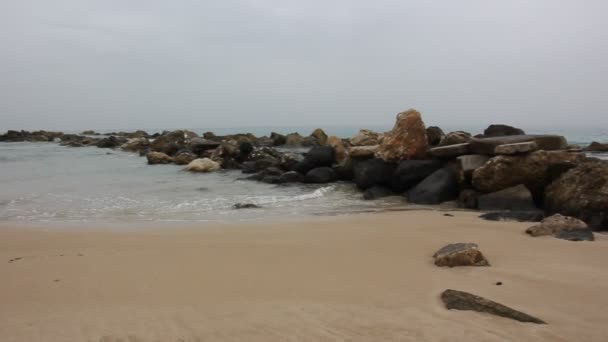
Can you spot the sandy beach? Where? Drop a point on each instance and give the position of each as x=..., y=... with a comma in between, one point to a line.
x=366, y=277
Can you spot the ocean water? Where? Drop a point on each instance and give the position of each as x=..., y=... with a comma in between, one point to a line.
x=44, y=183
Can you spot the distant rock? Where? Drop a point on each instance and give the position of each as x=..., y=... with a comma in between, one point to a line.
x=202, y=165
x=320, y=175
x=376, y=192
x=135, y=144
x=519, y=216
x=199, y=146
x=293, y=139
x=434, y=135
x=110, y=142
x=245, y=206
x=543, y=142
x=502, y=130
x=158, y=158
x=172, y=142
x=460, y=254
x=458, y=300
x=597, y=147
x=365, y=138
x=517, y=148
x=411, y=172
x=440, y=186
x=556, y=223
x=454, y=138
x=278, y=139
x=320, y=135
x=407, y=139
x=514, y=198
x=370, y=172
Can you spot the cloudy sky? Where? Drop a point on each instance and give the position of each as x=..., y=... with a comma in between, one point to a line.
x=75, y=64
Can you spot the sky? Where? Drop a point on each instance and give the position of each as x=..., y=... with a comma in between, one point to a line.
x=103, y=64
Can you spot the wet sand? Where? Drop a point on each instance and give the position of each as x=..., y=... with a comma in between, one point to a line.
x=366, y=277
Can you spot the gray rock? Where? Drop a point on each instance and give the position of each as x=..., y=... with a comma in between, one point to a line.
x=412, y=172
x=544, y=142
x=453, y=138
x=440, y=186
x=513, y=198
x=245, y=206
x=517, y=148
x=459, y=300
x=460, y=254
x=320, y=175
x=450, y=151
x=575, y=235
x=468, y=199
x=471, y=162
x=556, y=223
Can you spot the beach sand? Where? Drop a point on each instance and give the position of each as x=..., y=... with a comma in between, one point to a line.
x=367, y=277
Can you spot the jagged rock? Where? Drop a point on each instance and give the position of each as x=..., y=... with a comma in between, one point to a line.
x=172, y=142
x=376, y=192
x=412, y=172
x=450, y=151
x=278, y=139
x=544, y=142
x=293, y=139
x=370, y=172
x=519, y=216
x=597, y=147
x=202, y=165
x=338, y=146
x=407, y=139
x=199, y=146
x=365, y=138
x=454, y=138
x=320, y=135
x=554, y=224
x=514, y=198
x=110, y=142
x=136, y=144
x=440, y=186
x=317, y=157
x=245, y=206
x=581, y=192
x=363, y=152
x=184, y=158
x=291, y=177
x=468, y=199
x=460, y=254
x=575, y=235
x=158, y=158
x=502, y=130
x=434, y=135
x=502, y=172
x=517, y=148
x=320, y=175
x=459, y=300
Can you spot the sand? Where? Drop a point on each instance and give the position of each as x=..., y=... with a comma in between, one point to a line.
x=358, y=278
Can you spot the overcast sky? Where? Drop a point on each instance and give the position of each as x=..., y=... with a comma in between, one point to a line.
x=76, y=64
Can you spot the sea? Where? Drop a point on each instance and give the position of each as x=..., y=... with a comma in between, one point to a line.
x=47, y=184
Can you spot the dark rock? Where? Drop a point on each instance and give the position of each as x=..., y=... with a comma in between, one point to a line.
x=245, y=206
x=434, y=135
x=376, y=192
x=460, y=254
x=370, y=172
x=454, y=138
x=502, y=130
x=291, y=177
x=345, y=170
x=257, y=165
x=450, y=151
x=440, y=186
x=273, y=171
x=278, y=139
x=468, y=199
x=575, y=235
x=519, y=216
x=199, y=146
x=459, y=300
x=544, y=142
x=271, y=179
x=320, y=175
x=498, y=283
x=597, y=147
x=412, y=172
x=172, y=142
x=245, y=148
x=513, y=198
x=317, y=157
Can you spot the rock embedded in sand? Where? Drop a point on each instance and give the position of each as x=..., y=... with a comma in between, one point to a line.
x=407, y=139
x=514, y=198
x=460, y=254
x=519, y=216
x=202, y=165
x=158, y=158
x=555, y=224
x=459, y=300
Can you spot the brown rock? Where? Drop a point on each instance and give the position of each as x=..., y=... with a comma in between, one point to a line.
x=320, y=136
x=460, y=254
x=363, y=152
x=339, y=148
x=454, y=138
x=517, y=148
x=158, y=158
x=365, y=138
x=293, y=139
x=555, y=224
x=597, y=147
x=407, y=140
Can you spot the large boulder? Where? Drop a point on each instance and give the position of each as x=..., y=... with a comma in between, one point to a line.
x=543, y=142
x=365, y=138
x=434, y=135
x=454, y=138
x=412, y=172
x=338, y=146
x=158, y=158
x=514, y=198
x=320, y=135
x=597, y=147
x=440, y=186
x=460, y=254
x=502, y=130
x=458, y=300
x=110, y=142
x=407, y=139
x=320, y=175
x=135, y=144
x=532, y=170
x=581, y=192
x=202, y=165
x=554, y=224
x=172, y=142
x=317, y=157
x=370, y=172
x=199, y=146
x=363, y=152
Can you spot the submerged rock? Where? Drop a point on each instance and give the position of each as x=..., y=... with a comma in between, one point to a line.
x=202, y=165
x=245, y=206
x=459, y=300
x=460, y=254
x=407, y=139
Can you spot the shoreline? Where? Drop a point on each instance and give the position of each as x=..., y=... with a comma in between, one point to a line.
x=364, y=277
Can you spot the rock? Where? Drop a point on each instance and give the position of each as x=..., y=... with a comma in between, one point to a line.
x=575, y=235
x=581, y=192
x=502, y=130
x=291, y=177
x=310, y=141
x=370, y=172
x=455, y=138
x=245, y=148
x=407, y=139
x=89, y=132
x=468, y=199
x=288, y=161
x=460, y=254
x=110, y=142
x=459, y=300
x=199, y=146
x=597, y=147
x=245, y=206
x=440, y=186
x=317, y=157
x=434, y=135
x=278, y=139
x=450, y=151
x=471, y=162
x=412, y=172
x=345, y=170
x=202, y=165
x=543, y=142
x=514, y=198
x=376, y=192
x=338, y=146
x=320, y=136
x=293, y=139
x=158, y=158
x=363, y=152
x=517, y=148
x=503, y=172
x=259, y=164
x=320, y=175
x=271, y=179
x=519, y=216
x=184, y=158
x=556, y=223
x=365, y=138
x=135, y=144
x=172, y=142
